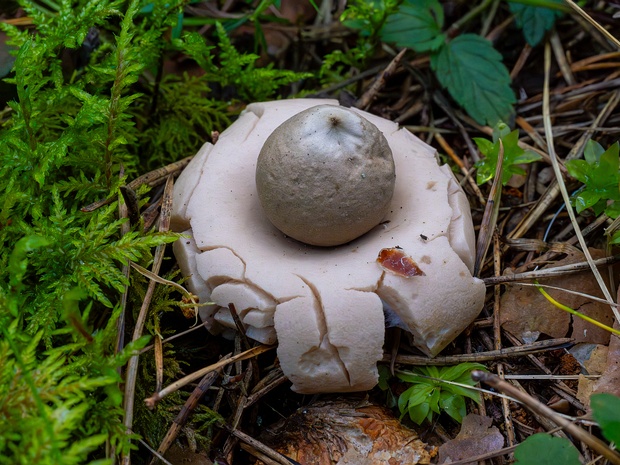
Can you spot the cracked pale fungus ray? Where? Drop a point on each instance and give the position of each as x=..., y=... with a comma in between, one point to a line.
x=232, y=253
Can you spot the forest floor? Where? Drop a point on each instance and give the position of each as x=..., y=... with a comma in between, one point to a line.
x=567, y=90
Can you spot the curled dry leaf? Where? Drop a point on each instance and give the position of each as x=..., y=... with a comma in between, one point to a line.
x=346, y=431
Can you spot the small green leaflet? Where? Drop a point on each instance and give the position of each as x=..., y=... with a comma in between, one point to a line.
x=472, y=71
x=534, y=21
x=600, y=176
x=416, y=25
x=429, y=395
x=606, y=411
x=513, y=155
x=543, y=449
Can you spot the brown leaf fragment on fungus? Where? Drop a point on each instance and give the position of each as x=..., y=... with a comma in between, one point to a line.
x=397, y=261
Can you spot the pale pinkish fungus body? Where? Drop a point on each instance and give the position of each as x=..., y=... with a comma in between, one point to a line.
x=325, y=305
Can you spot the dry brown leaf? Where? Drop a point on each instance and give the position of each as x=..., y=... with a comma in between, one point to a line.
x=594, y=359
x=476, y=437
x=610, y=380
x=526, y=312
x=346, y=431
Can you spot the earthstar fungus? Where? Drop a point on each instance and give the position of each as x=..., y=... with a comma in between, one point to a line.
x=326, y=306
x=325, y=176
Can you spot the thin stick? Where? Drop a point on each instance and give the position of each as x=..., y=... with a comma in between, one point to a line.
x=154, y=277
x=175, y=336
x=562, y=186
x=191, y=403
x=132, y=366
x=151, y=401
x=268, y=451
x=544, y=411
x=472, y=183
x=152, y=178
x=568, y=291
x=120, y=324
x=551, y=377
x=256, y=396
x=560, y=58
x=553, y=190
x=497, y=337
x=159, y=362
x=259, y=455
x=574, y=312
x=589, y=19
x=491, y=211
x=540, y=346
x=379, y=83
x=542, y=367
x=550, y=272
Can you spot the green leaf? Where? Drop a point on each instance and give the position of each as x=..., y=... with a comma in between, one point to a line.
x=542, y=449
x=433, y=400
x=417, y=25
x=455, y=372
x=472, y=71
x=586, y=199
x=420, y=393
x=615, y=238
x=500, y=130
x=609, y=163
x=419, y=413
x=593, y=151
x=606, y=411
x=463, y=392
x=403, y=400
x=412, y=378
x=612, y=209
x=534, y=21
x=601, y=177
x=453, y=405
x=552, y=4
x=579, y=169
x=429, y=396
x=431, y=371
x=513, y=156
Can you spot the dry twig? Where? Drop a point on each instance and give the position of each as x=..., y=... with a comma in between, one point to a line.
x=541, y=409
x=540, y=346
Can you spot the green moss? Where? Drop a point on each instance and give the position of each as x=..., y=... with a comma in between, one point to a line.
x=74, y=134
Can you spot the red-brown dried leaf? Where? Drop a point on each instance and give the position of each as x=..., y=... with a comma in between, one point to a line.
x=396, y=261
